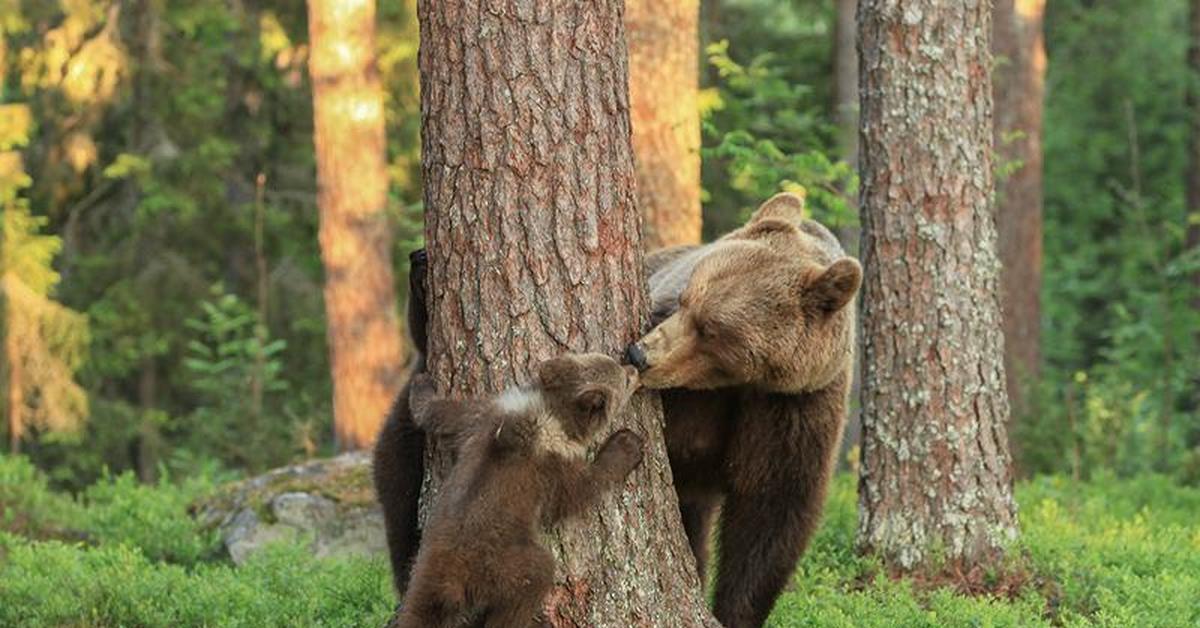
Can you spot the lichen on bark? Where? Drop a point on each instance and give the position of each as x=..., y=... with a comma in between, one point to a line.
x=935, y=474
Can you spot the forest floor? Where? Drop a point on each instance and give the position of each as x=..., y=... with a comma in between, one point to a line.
x=1107, y=552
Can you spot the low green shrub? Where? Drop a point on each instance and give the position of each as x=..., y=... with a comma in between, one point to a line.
x=152, y=518
x=56, y=584
x=1125, y=552
x=27, y=505
x=834, y=586
x=1106, y=552
x=116, y=510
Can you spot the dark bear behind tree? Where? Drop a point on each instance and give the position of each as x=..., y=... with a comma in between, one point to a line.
x=753, y=349
x=398, y=465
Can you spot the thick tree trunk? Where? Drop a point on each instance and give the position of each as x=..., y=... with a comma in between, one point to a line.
x=664, y=66
x=534, y=249
x=1020, y=73
x=1193, y=172
x=935, y=474
x=356, y=240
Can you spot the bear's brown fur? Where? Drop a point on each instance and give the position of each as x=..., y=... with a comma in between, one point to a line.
x=398, y=467
x=753, y=349
x=755, y=418
x=521, y=465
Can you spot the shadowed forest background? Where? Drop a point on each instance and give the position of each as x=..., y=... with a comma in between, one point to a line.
x=164, y=316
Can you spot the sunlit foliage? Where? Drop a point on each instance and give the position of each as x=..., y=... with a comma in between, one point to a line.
x=43, y=342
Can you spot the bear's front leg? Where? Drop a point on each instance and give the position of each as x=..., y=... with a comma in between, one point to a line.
x=698, y=514
x=781, y=461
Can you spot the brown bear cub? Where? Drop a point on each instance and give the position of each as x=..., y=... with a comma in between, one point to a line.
x=521, y=466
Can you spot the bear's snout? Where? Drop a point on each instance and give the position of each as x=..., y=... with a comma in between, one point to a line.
x=636, y=356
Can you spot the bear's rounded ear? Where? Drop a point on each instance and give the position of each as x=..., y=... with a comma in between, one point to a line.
x=786, y=206
x=553, y=373
x=592, y=402
x=836, y=286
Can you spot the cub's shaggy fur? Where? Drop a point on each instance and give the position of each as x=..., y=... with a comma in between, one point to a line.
x=522, y=465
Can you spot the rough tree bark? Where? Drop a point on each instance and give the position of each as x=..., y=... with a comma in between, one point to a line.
x=664, y=45
x=365, y=350
x=1018, y=91
x=936, y=472
x=534, y=249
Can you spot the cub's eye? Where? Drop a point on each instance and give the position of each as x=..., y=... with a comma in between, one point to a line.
x=706, y=329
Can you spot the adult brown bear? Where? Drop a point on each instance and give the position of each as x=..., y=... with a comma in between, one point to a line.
x=753, y=348
x=752, y=345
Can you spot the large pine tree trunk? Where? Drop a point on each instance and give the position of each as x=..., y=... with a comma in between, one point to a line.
x=365, y=349
x=1020, y=73
x=534, y=249
x=935, y=473
x=664, y=80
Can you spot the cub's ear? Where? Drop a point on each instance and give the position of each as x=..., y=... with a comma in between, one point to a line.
x=785, y=206
x=592, y=402
x=554, y=372
x=836, y=286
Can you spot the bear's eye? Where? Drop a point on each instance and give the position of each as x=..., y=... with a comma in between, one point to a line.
x=706, y=329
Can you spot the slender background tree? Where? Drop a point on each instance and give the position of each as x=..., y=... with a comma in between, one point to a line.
x=365, y=350
x=935, y=478
x=1192, y=180
x=1018, y=91
x=845, y=79
x=664, y=66
x=535, y=249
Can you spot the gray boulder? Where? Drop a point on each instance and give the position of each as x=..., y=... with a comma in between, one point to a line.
x=327, y=504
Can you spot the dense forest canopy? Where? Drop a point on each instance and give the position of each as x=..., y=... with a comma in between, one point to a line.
x=143, y=141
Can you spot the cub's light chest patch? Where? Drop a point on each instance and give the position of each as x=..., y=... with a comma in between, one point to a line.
x=549, y=436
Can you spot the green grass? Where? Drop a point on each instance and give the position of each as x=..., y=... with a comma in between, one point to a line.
x=1108, y=552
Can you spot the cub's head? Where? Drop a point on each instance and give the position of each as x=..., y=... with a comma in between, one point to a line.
x=770, y=306
x=585, y=392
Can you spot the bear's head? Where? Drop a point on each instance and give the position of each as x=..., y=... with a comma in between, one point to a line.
x=585, y=392
x=768, y=305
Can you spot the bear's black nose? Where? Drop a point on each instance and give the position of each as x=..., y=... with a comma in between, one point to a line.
x=636, y=356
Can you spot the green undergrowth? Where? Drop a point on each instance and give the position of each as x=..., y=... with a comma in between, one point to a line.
x=1107, y=552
